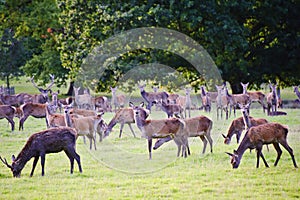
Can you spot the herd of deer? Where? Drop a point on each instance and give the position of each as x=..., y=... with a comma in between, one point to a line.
x=80, y=117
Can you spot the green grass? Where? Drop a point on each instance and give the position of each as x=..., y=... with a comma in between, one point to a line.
x=120, y=168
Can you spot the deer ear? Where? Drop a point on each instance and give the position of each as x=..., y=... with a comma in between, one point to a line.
x=131, y=104
x=142, y=104
x=13, y=158
x=235, y=152
x=224, y=136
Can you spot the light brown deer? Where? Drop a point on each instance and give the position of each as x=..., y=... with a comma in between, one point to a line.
x=222, y=102
x=255, y=96
x=206, y=100
x=124, y=116
x=199, y=126
x=117, y=100
x=83, y=100
x=85, y=126
x=272, y=100
x=185, y=102
x=159, y=128
x=171, y=109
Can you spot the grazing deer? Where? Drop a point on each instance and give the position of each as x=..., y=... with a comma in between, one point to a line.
x=171, y=109
x=43, y=97
x=39, y=144
x=238, y=125
x=206, y=100
x=255, y=96
x=151, y=97
x=272, y=100
x=124, y=116
x=257, y=136
x=222, y=102
x=117, y=100
x=194, y=127
x=36, y=110
x=82, y=100
x=8, y=112
x=85, y=126
x=159, y=128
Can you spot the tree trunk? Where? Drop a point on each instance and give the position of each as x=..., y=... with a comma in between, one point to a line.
x=236, y=88
x=71, y=89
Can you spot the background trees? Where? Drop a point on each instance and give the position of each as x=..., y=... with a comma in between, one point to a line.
x=253, y=41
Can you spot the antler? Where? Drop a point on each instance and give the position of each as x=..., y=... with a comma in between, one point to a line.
x=5, y=162
x=34, y=84
x=52, y=81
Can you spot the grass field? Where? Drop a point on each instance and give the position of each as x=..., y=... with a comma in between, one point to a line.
x=120, y=168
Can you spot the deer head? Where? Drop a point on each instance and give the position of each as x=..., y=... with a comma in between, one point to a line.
x=44, y=92
x=14, y=167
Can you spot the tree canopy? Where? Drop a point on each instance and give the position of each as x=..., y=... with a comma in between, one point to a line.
x=250, y=41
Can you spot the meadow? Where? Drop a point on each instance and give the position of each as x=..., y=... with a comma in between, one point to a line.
x=120, y=168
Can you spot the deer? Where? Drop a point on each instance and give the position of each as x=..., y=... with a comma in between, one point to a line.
x=222, y=102
x=257, y=136
x=85, y=126
x=237, y=126
x=64, y=101
x=43, y=97
x=39, y=144
x=54, y=119
x=159, y=128
x=199, y=126
x=8, y=112
x=296, y=90
x=124, y=116
x=185, y=102
x=82, y=100
x=206, y=100
x=235, y=99
x=171, y=109
x=272, y=100
x=117, y=100
x=172, y=98
x=255, y=96
x=36, y=110
x=101, y=103
x=151, y=97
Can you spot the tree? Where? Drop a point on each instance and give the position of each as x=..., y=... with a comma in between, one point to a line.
x=13, y=56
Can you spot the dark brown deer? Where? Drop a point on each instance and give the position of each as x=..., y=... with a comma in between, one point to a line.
x=257, y=136
x=8, y=112
x=171, y=109
x=39, y=144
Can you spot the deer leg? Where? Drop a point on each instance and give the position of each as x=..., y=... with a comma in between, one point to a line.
x=150, y=147
x=11, y=121
x=207, y=135
x=21, y=123
x=131, y=129
x=36, y=158
x=94, y=139
x=72, y=152
x=238, y=136
x=71, y=158
x=43, y=157
x=279, y=152
x=121, y=129
x=290, y=150
x=204, y=143
x=259, y=154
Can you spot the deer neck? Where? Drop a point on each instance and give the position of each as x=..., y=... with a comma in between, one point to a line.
x=245, y=144
x=247, y=120
x=68, y=120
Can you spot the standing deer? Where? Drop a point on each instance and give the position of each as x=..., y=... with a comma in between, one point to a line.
x=222, y=102
x=255, y=96
x=151, y=97
x=8, y=112
x=39, y=144
x=160, y=128
x=117, y=100
x=43, y=97
x=171, y=109
x=82, y=100
x=185, y=102
x=296, y=90
x=272, y=100
x=206, y=100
